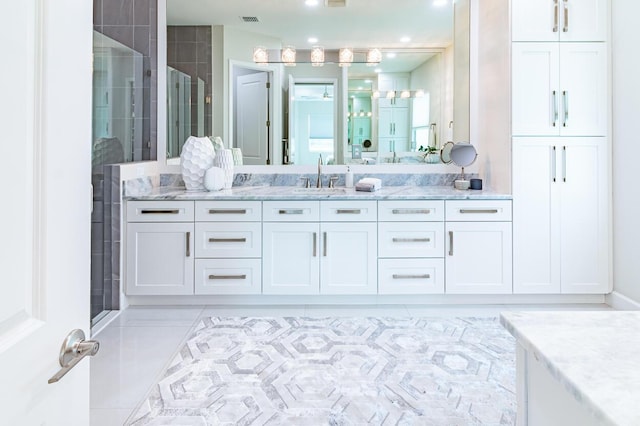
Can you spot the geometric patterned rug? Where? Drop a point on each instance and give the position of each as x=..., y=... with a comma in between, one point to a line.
x=338, y=371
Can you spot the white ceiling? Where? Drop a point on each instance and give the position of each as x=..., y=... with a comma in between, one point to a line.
x=360, y=24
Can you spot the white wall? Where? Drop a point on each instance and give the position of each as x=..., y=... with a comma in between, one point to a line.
x=626, y=147
x=428, y=77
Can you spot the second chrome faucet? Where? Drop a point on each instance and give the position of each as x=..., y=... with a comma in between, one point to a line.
x=319, y=182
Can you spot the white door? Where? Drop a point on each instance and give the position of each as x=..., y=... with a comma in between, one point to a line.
x=584, y=216
x=535, y=86
x=290, y=258
x=478, y=258
x=349, y=255
x=583, y=89
x=536, y=185
x=251, y=108
x=45, y=226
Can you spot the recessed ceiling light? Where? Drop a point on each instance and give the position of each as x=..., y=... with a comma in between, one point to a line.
x=378, y=70
x=391, y=55
x=368, y=81
x=312, y=39
x=405, y=39
x=311, y=2
x=360, y=88
x=440, y=2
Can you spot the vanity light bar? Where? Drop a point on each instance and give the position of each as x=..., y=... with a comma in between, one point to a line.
x=403, y=94
x=317, y=56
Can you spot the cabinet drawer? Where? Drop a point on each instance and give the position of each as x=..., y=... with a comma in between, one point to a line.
x=228, y=276
x=410, y=276
x=478, y=210
x=228, y=211
x=348, y=211
x=291, y=211
x=160, y=211
x=414, y=210
x=229, y=240
x=410, y=239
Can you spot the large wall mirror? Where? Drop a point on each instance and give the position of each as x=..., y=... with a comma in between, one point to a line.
x=416, y=96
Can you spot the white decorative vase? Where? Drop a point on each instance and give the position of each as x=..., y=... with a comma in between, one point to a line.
x=214, y=179
x=237, y=156
x=224, y=160
x=195, y=159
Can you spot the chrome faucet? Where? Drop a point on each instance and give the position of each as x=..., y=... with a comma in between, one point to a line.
x=319, y=183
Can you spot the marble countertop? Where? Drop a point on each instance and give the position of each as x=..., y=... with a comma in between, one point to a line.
x=594, y=355
x=299, y=193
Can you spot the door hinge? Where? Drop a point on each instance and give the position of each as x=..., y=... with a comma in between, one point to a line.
x=268, y=123
x=268, y=85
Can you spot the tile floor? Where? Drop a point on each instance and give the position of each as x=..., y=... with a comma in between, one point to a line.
x=136, y=346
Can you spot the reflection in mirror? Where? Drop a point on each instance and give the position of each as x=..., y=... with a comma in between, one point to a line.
x=438, y=64
x=312, y=130
x=178, y=111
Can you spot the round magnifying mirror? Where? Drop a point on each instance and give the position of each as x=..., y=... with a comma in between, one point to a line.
x=463, y=155
x=445, y=152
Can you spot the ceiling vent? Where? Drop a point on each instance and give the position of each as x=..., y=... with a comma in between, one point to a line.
x=249, y=19
x=335, y=3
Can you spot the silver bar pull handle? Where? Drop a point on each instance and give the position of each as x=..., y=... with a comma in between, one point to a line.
x=227, y=240
x=411, y=211
x=411, y=240
x=348, y=211
x=564, y=163
x=324, y=244
x=565, y=104
x=159, y=211
x=555, y=16
x=484, y=211
x=565, y=28
x=554, y=120
x=390, y=128
x=73, y=350
x=228, y=277
x=410, y=276
x=227, y=211
x=450, y=243
x=291, y=211
x=315, y=244
x=553, y=164
x=188, y=242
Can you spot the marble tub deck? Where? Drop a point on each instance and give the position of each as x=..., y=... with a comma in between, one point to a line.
x=593, y=355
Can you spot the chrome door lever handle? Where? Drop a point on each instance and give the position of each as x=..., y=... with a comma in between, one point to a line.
x=73, y=350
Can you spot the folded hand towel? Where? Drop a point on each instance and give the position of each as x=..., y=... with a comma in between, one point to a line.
x=369, y=184
x=367, y=187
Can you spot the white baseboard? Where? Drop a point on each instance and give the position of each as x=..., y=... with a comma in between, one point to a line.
x=621, y=302
x=441, y=299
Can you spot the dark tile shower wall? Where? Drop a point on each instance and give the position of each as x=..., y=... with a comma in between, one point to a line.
x=189, y=51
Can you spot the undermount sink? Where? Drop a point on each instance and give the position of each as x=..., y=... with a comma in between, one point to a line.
x=319, y=191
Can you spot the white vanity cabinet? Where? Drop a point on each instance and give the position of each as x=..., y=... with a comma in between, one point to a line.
x=228, y=247
x=411, y=247
x=478, y=256
x=559, y=20
x=559, y=89
x=160, y=248
x=319, y=247
x=560, y=207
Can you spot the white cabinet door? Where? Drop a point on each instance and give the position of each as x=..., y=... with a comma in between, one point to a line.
x=584, y=216
x=559, y=20
x=478, y=259
x=536, y=252
x=559, y=89
x=583, y=89
x=159, y=258
x=535, y=89
x=561, y=221
x=348, y=258
x=290, y=258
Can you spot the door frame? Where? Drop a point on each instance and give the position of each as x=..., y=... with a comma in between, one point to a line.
x=275, y=106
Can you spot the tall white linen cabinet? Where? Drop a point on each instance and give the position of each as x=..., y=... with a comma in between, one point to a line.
x=560, y=136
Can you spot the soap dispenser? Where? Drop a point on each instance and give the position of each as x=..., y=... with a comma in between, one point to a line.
x=348, y=178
